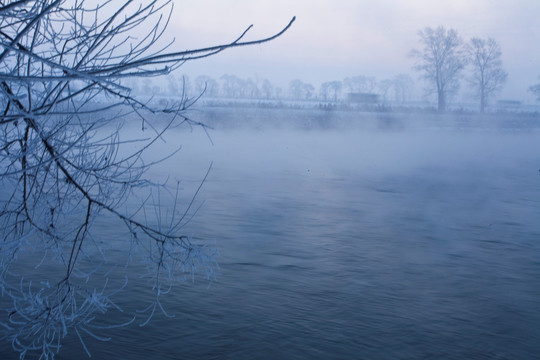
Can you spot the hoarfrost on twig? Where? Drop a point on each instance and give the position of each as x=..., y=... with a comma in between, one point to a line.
x=66, y=165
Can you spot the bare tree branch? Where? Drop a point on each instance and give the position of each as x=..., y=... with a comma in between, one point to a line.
x=64, y=161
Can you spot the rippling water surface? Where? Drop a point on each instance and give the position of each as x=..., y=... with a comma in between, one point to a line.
x=420, y=244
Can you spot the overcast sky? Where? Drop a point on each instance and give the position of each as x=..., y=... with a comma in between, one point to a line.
x=333, y=39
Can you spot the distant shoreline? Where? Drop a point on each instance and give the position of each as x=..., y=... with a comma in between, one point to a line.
x=261, y=117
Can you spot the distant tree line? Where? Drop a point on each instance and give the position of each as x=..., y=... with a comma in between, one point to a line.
x=444, y=60
x=396, y=89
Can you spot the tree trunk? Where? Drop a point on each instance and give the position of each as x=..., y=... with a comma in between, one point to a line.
x=441, y=101
x=482, y=101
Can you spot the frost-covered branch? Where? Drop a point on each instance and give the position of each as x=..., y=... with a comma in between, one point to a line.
x=65, y=161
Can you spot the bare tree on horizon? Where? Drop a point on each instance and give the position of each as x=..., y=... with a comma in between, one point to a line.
x=441, y=60
x=535, y=89
x=488, y=76
x=300, y=90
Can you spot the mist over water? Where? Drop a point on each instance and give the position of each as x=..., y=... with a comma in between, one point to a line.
x=366, y=238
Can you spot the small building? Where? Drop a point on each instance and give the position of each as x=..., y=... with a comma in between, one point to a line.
x=508, y=104
x=363, y=98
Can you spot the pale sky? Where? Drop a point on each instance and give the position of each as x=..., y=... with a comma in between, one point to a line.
x=333, y=39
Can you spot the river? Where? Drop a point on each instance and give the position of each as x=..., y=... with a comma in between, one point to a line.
x=418, y=243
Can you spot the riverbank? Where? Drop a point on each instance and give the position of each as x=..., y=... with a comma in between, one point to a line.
x=227, y=117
